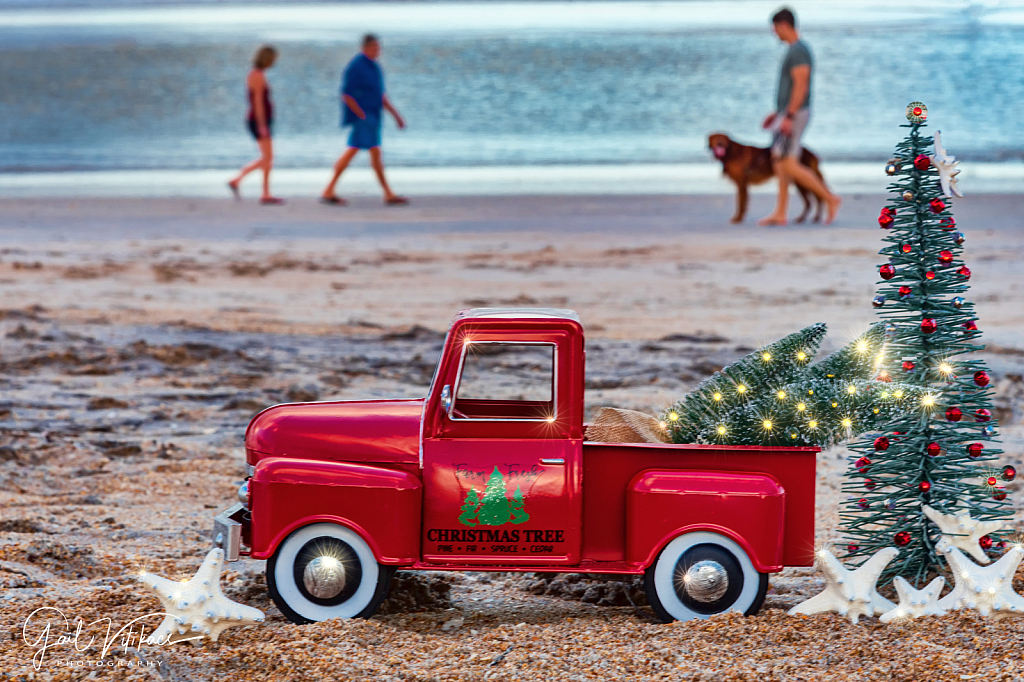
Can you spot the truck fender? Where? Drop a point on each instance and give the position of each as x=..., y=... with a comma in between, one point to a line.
x=746, y=507
x=382, y=505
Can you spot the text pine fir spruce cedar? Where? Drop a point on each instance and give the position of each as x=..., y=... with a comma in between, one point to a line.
x=939, y=453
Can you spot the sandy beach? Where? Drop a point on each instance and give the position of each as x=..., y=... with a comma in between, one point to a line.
x=138, y=336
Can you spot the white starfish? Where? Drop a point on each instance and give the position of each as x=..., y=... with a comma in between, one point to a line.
x=849, y=593
x=946, y=165
x=197, y=607
x=960, y=530
x=988, y=589
x=915, y=603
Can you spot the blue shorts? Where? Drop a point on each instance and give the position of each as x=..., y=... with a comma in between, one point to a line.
x=365, y=133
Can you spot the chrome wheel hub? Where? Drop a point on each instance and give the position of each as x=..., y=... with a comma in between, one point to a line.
x=324, y=577
x=705, y=581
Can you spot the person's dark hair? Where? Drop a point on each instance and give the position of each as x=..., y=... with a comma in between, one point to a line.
x=784, y=16
x=264, y=57
x=370, y=38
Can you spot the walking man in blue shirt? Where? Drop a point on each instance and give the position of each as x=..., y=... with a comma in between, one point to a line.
x=362, y=100
x=787, y=123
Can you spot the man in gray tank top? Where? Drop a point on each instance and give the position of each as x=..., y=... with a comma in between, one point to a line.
x=788, y=121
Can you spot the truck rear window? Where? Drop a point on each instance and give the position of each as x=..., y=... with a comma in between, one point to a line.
x=506, y=381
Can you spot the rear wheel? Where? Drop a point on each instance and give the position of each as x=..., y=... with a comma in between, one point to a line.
x=700, y=574
x=324, y=571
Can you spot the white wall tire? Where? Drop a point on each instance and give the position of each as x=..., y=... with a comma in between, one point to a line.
x=367, y=581
x=744, y=589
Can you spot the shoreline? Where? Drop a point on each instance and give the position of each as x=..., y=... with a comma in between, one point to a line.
x=559, y=179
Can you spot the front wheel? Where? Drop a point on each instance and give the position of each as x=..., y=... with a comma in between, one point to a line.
x=324, y=571
x=700, y=574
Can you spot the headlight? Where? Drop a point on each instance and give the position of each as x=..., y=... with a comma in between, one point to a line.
x=243, y=493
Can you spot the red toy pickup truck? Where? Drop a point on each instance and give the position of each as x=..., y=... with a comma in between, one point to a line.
x=491, y=472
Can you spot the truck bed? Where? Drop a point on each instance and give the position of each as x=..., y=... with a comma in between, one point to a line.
x=607, y=466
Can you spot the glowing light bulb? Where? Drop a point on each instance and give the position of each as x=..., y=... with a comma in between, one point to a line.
x=851, y=389
x=847, y=422
x=662, y=425
x=767, y=424
x=862, y=346
x=835, y=404
x=813, y=424
x=767, y=357
x=884, y=395
x=875, y=410
x=717, y=396
x=801, y=356
x=928, y=400
x=800, y=407
x=945, y=368
x=741, y=389
x=781, y=395
x=898, y=394
x=721, y=430
x=673, y=416
x=810, y=391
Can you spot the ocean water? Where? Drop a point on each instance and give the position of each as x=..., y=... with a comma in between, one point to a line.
x=161, y=85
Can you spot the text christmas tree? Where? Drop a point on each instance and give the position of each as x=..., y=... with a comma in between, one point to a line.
x=936, y=455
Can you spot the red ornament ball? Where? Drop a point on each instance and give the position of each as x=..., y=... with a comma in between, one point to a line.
x=905, y=291
x=862, y=464
x=964, y=272
x=992, y=480
x=924, y=486
x=869, y=484
x=982, y=415
x=933, y=449
x=885, y=221
x=985, y=542
x=947, y=224
x=888, y=211
x=922, y=162
x=850, y=549
x=945, y=256
x=929, y=275
x=906, y=248
x=981, y=378
x=954, y=414
x=908, y=365
x=999, y=494
x=902, y=539
x=928, y=326
x=937, y=205
x=975, y=449
x=971, y=325
x=887, y=271
x=862, y=503
x=1009, y=473
x=881, y=443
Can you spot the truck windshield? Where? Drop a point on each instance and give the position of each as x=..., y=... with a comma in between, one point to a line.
x=506, y=381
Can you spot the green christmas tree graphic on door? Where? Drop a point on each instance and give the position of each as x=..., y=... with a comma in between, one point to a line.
x=495, y=507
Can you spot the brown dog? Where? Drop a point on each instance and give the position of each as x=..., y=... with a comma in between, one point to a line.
x=753, y=165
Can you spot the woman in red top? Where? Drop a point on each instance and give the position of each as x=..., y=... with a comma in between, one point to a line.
x=260, y=121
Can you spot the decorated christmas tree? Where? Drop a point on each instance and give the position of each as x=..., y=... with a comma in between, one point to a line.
x=935, y=458
x=774, y=396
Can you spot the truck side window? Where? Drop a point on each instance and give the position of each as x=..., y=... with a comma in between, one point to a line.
x=506, y=381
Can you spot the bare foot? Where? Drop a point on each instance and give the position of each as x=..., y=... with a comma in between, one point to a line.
x=271, y=201
x=233, y=186
x=833, y=209
x=396, y=200
x=772, y=221
x=333, y=200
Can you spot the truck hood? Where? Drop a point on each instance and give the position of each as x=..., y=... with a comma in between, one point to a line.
x=344, y=431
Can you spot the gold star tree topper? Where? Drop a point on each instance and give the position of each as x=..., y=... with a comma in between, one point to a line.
x=197, y=607
x=849, y=593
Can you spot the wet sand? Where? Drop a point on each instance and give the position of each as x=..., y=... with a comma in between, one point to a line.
x=137, y=338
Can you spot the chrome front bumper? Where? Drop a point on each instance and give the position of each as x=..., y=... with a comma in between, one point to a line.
x=227, y=530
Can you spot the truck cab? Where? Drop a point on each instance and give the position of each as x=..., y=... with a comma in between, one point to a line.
x=491, y=471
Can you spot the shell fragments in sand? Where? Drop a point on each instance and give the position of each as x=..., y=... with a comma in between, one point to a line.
x=985, y=589
x=197, y=607
x=961, y=531
x=915, y=603
x=849, y=593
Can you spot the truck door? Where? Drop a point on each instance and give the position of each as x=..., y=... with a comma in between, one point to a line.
x=501, y=470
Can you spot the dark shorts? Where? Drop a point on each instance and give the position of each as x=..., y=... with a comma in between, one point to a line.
x=365, y=133
x=254, y=129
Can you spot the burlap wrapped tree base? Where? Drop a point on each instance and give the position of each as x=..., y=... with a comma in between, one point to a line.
x=612, y=425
